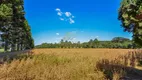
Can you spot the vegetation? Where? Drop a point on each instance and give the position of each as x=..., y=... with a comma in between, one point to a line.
x=130, y=14
x=16, y=33
x=117, y=42
x=1, y=50
x=67, y=64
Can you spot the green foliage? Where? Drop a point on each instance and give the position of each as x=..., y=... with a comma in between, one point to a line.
x=117, y=42
x=130, y=15
x=120, y=39
x=5, y=10
x=15, y=28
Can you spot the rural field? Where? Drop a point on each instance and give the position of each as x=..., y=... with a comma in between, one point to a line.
x=71, y=40
x=95, y=53
x=71, y=64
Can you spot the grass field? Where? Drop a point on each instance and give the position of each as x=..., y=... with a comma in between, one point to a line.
x=95, y=53
x=67, y=64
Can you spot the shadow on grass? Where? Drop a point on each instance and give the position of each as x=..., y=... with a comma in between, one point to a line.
x=50, y=58
x=112, y=67
x=9, y=56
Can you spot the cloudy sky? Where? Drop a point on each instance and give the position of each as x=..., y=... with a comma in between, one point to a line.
x=75, y=20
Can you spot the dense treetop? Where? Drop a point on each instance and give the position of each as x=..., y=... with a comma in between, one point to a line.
x=130, y=14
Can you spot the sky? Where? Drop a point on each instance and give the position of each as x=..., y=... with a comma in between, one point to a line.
x=74, y=20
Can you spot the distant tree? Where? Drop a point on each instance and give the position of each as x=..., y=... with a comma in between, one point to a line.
x=96, y=43
x=118, y=43
x=120, y=39
x=62, y=43
x=90, y=43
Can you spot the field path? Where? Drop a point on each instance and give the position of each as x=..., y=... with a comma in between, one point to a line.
x=12, y=54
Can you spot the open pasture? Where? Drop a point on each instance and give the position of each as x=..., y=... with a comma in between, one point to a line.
x=68, y=64
x=97, y=53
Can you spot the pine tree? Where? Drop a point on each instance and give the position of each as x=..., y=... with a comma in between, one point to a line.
x=5, y=21
x=13, y=24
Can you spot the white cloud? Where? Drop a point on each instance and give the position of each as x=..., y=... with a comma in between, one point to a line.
x=74, y=38
x=59, y=13
x=57, y=9
x=57, y=34
x=65, y=16
x=62, y=19
x=73, y=17
x=71, y=21
x=68, y=14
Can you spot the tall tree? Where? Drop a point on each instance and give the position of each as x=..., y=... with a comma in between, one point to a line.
x=13, y=24
x=6, y=13
x=18, y=21
x=130, y=14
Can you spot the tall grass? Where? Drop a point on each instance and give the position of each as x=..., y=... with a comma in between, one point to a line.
x=70, y=66
x=122, y=66
x=50, y=67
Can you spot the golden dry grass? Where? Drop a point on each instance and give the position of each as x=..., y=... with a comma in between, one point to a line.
x=59, y=64
x=97, y=53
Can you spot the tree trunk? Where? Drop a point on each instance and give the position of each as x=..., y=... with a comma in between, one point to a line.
x=12, y=47
x=18, y=47
x=21, y=47
x=6, y=46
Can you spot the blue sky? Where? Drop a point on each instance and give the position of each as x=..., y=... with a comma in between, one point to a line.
x=75, y=20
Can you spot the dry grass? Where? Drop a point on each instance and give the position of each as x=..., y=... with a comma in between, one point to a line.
x=96, y=53
x=63, y=64
x=51, y=67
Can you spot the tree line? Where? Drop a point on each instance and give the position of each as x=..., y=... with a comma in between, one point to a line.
x=15, y=31
x=130, y=15
x=117, y=42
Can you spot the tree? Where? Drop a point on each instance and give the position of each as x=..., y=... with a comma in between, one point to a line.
x=130, y=15
x=96, y=43
x=90, y=43
x=120, y=39
x=62, y=43
x=14, y=26
x=6, y=13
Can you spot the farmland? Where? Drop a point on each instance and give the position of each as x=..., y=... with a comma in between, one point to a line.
x=97, y=53
x=70, y=40
x=64, y=64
